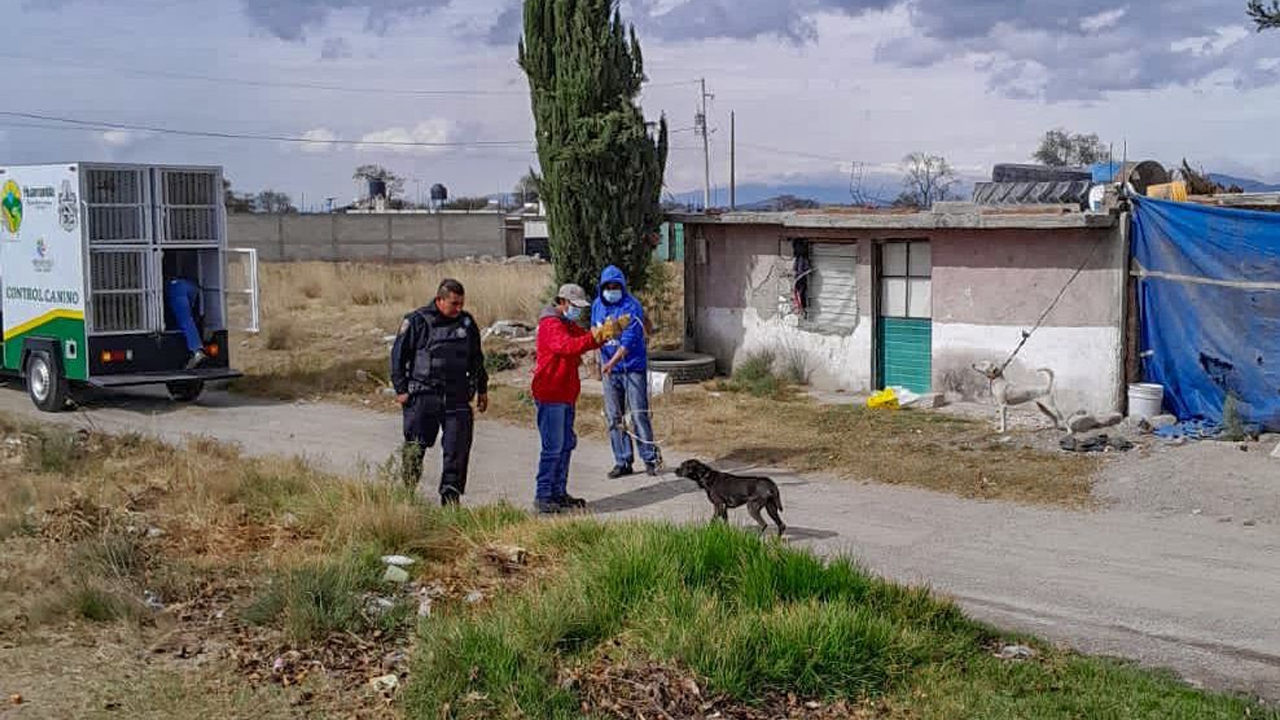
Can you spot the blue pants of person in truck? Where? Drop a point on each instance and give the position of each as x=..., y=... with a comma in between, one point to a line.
x=182, y=297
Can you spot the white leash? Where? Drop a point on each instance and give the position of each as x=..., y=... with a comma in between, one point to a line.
x=625, y=425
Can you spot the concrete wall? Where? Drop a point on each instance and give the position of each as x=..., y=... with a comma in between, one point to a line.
x=987, y=286
x=369, y=238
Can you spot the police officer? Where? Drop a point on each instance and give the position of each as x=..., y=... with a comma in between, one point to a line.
x=437, y=368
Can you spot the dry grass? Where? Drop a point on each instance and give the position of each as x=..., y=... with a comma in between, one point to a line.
x=919, y=448
x=98, y=530
x=325, y=325
x=494, y=291
x=323, y=322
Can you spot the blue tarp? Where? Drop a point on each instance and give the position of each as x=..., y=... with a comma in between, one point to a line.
x=1209, y=303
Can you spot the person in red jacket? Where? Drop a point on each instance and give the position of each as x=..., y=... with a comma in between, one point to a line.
x=561, y=343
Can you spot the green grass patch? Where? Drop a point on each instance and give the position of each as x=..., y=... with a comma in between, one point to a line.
x=103, y=602
x=265, y=493
x=757, y=375
x=752, y=619
x=321, y=597
x=53, y=449
x=496, y=362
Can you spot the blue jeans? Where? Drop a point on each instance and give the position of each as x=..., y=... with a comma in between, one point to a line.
x=625, y=391
x=181, y=299
x=555, y=426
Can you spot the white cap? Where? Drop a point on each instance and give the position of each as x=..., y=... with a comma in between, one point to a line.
x=574, y=294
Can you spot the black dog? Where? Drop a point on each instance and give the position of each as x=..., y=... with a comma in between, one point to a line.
x=730, y=491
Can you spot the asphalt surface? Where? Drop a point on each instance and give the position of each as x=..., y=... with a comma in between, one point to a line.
x=1187, y=592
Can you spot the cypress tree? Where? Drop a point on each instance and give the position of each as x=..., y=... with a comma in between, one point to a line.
x=602, y=166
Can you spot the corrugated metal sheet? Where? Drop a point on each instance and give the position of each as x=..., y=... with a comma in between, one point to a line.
x=1074, y=192
x=833, y=286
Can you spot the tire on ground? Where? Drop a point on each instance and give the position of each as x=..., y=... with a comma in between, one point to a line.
x=185, y=391
x=685, y=368
x=45, y=384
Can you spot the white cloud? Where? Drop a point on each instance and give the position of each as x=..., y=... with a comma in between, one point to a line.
x=435, y=130
x=322, y=140
x=123, y=138
x=1208, y=45
x=1103, y=20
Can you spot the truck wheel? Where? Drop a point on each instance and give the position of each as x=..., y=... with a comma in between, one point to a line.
x=45, y=384
x=185, y=391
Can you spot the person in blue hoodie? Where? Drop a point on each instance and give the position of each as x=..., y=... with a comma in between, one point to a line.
x=625, y=370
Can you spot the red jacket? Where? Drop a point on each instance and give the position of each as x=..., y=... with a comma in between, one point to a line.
x=560, y=347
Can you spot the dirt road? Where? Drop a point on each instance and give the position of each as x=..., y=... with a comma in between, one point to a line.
x=1184, y=591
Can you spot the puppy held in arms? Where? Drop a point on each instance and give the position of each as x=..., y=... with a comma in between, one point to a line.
x=1007, y=394
x=730, y=491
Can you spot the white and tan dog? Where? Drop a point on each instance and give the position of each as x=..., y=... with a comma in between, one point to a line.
x=1007, y=394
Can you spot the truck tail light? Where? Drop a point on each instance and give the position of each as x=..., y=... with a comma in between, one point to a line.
x=212, y=350
x=112, y=356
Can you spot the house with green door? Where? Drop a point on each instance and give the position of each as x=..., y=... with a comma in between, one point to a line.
x=868, y=299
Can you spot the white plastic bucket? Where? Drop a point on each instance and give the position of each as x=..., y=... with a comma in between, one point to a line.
x=1146, y=400
x=660, y=383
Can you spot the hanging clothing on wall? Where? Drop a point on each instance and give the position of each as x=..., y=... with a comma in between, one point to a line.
x=802, y=269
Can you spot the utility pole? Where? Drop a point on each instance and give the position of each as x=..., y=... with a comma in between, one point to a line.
x=733, y=158
x=700, y=123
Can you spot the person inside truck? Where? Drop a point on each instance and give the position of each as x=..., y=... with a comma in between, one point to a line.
x=186, y=312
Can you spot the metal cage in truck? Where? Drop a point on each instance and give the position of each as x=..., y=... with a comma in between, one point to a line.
x=85, y=252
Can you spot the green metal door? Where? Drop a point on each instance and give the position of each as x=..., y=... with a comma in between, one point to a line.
x=904, y=332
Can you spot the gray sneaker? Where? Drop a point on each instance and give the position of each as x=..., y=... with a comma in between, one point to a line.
x=197, y=357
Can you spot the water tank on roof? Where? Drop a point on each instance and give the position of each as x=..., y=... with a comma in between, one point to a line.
x=377, y=188
x=439, y=193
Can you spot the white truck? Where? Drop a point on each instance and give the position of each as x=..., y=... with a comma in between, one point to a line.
x=85, y=252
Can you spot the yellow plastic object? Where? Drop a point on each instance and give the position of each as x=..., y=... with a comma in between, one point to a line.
x=885, y=399
x=611, y=328
x=1176, y=191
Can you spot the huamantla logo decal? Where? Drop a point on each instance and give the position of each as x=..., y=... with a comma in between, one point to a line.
x=11, y=207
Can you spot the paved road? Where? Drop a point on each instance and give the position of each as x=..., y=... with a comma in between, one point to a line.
x=1184, y=592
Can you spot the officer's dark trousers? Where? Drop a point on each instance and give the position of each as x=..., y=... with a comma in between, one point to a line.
x=425, y=415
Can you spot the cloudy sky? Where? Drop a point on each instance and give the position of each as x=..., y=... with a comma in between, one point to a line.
x=816, y=85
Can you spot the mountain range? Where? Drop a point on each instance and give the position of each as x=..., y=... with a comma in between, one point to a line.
x=876, y=190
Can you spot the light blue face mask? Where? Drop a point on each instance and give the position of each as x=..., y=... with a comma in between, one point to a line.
x=612, y=296
x=573, y=314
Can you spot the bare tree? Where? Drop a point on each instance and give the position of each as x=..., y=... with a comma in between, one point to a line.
x=1265, y=16
x=235, y=202
x=395, y=183
x=928, y=179
x=529, y=187
x=276, y=203
x=858, y=192
x=1061, y=148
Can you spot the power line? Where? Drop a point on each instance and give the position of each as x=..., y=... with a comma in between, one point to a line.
x=325, y=87
x=794, y=153
x=102, y=125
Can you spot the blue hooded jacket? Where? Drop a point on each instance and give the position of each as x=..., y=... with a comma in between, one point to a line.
x=637, y=359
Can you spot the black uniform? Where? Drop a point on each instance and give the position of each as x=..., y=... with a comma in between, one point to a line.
x=438, y=363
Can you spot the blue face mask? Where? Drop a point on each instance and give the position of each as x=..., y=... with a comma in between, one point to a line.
x=612, y=296
x=573, y=314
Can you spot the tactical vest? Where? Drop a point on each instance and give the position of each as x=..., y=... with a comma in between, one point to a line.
x=442, y=359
